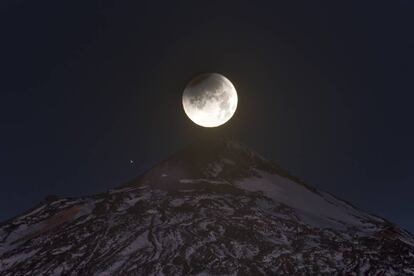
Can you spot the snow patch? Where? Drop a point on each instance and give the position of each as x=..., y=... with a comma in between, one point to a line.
x=314, y=208
x=201, y=180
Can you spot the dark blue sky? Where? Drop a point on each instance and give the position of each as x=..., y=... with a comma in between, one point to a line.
x=325, y=90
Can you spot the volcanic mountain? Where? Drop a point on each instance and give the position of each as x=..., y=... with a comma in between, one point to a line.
x=215, y=208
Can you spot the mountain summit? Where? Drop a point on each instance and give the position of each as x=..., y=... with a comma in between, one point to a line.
x=217, y=208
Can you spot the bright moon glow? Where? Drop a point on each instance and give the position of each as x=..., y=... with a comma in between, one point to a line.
x=210, y=100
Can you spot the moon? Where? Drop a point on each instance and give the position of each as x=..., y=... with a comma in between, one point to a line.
x=210, y=100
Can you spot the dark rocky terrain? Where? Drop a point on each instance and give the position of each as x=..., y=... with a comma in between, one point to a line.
x=215, y=208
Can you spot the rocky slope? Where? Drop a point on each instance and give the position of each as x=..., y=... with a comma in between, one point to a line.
x=215, y=208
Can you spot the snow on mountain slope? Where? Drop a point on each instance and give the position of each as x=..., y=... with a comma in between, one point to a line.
x=316, y=208
x=214, y=208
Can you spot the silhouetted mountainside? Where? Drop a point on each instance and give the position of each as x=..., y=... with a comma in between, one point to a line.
x=214, y=208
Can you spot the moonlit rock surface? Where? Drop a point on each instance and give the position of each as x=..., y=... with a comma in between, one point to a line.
x=215, y=208
x=210, y=100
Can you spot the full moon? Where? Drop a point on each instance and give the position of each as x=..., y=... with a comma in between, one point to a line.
x=210, y=100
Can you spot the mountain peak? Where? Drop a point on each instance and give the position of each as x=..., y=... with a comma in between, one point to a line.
x=218, y=159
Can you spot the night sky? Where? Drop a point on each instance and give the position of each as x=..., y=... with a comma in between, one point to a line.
x=325, y=90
